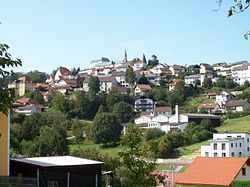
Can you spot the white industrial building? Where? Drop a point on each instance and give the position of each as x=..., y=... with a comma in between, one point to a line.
x=227, y=145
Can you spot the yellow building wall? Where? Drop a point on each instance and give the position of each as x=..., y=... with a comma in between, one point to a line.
x=4, y=145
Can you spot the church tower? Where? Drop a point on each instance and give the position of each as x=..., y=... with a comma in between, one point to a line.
x=125, y=57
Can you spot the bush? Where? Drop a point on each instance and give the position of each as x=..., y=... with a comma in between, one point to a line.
x=238, y=183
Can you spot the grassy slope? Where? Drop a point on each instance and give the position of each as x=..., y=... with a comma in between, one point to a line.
x=232, y=125
x=113, y=151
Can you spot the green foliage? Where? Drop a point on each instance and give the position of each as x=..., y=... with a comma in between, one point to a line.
x=6, y=95
x=130, y=76
x=110, y=162
x=38, y=97
x=48, y=143
x=123, y=111
x=240, y=183
x=208, y=83
x=94, y=85
x=77, y=131
x=37, y=77
x=132, y=137
x=143, y=80
x=152, y=134
x=165, y=147
x=227, y=83
x=134, y=170
x=105, y=129
x=153, y=61
x=62, y=103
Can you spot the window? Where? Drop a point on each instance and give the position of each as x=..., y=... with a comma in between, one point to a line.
x=215, y=146
x=239, y=136
x=248, y=149
x=240, y=153
x=223, y=146
x=215, y=154
x=206, y=154
x=223, y=154
x=243, y=171
x=232, y=145
x=240, y=144
x=232, y=154
x=236, y=144
x=247, y=140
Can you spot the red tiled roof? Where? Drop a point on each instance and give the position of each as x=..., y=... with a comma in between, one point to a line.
x=240, y=68
x=145, y=113
x=174, y=82
x=25, y=100
x=64, y=71
x=70, y=81
x=42, y=85
x=144, y=86
x=162, y=109
x=207, y=106
x=177, y=67
x=211, y=93
x=212, y=171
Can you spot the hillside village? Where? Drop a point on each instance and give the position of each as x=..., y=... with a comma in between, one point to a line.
x=139, y=104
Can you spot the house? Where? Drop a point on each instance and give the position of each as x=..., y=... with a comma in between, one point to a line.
x=140, y=89
x=238, y=105
x=227, y=145
x=211, y=95
x=173, y=83
x=210, y=108
x=22, y=85
x=222, y=98
x=139, y=64
x=205, y=68
x=102, y=62
x=153, y=78
x=106, y=83
x=240, y=74
x=120, y=77
x=63, y=171
x=67, y=82
x=191, y=79
x=63, y=72
x=219, y=66
x=165, y=110
x=195, y=69
x=144, y=104
x=215, y=172
x=176, y=69
x=27, y=106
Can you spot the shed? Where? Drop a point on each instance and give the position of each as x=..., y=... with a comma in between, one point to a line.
x=63, y=171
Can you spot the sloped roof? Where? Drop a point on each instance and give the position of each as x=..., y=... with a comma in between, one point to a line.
x=118, y=73
x=236, y=103
x=144, y=86
x=211, y=93
x=241, y=68
x=162, y=109
x=70, y=81
x=174, y=82
x=107, y=79
x=64, y=71
x=207, y=106
x=212, y=171
x=25, y=100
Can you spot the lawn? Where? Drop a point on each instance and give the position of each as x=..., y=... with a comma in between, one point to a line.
x=113, y=151
x=188, y=150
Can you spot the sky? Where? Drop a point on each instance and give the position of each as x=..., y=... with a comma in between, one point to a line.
x=46, y=34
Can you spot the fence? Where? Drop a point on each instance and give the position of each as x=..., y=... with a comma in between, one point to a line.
x=17, y=182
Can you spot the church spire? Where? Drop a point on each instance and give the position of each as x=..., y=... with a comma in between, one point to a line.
x=125, y=57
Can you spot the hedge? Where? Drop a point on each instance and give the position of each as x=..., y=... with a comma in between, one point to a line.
x=241, y=183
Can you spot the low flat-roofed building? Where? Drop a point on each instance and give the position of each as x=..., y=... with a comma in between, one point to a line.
x=63, y=171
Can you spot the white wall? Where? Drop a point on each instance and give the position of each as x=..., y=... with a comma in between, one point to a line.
x=247, y=176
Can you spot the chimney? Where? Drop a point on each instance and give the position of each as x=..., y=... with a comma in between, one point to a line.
x=177, y=113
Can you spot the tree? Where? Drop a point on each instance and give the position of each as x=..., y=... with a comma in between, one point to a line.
x=105, y=129
x=130, y=76
x=153, y=61
x=77, y=131
x=94, y=85
x=123, y=111
x=238, y=6
x=132, y=137
x=37, y=77
x=38, y=97
x=6, y=95
x=143, y=80
x=134, y=170
x=208, y=83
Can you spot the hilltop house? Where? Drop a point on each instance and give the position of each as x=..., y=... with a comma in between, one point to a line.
x=22, y=85
x=192, y=79
x=227, y=145
x=215, y=172
x=205, y=68
x=64, y=73
x=120, y=77
x=210, y=108
x=240, y=74
x=173, y=84
x=144, y=104
x=222, y=98
x=176, y=69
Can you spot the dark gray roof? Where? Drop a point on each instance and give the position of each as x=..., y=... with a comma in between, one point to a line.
x=236, y=103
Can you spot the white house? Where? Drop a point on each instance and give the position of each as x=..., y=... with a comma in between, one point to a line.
x=63, y=72
x=176, y=69
x=205, y=68
x=222, y=98
x=240, y=74
x=102, y=62
x=120, y=77
x=227, y=145
x=191, y=79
